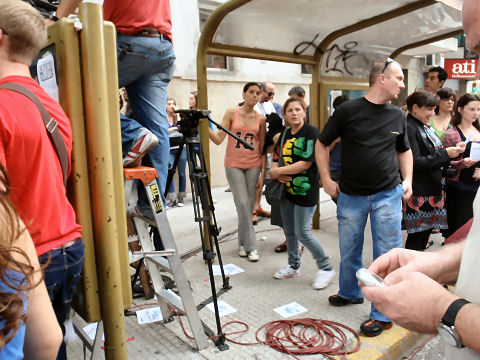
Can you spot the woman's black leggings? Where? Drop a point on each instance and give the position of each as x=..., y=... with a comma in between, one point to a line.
x=418, y=241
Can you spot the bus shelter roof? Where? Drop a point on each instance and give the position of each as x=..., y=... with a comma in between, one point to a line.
x=340, y=35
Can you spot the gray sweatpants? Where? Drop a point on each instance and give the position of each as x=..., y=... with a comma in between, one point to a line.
x=243, y=184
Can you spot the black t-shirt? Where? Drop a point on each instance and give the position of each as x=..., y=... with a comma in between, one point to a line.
x=371, y=137
x=302, y=189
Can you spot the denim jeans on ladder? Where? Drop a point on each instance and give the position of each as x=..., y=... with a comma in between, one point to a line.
x=145, y=67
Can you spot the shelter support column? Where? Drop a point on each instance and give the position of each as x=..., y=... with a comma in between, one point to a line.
x=102, y=179
x=315, y=111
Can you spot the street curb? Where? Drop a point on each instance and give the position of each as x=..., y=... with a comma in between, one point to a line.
x=391, y=345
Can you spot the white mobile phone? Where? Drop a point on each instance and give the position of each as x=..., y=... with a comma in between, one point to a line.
x=368, y=278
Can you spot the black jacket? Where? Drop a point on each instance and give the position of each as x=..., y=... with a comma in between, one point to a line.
x=427, y=162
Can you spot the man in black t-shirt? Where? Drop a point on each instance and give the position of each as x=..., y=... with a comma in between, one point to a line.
x=374, y=148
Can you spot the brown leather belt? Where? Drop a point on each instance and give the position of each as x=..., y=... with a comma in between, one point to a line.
x=149, y=32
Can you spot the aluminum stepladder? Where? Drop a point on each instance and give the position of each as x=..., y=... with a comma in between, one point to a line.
x=167, y=260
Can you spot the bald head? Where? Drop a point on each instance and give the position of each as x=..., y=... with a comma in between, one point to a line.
x=470, y=16
x=268, y=91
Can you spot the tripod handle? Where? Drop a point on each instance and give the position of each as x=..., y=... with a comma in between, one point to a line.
x=240, y=140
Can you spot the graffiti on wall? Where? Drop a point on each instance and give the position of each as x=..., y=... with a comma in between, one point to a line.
x=336, y=57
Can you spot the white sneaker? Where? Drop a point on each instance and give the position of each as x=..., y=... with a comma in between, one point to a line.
x=242, y=252
x=144, y=142
x=286, y=272
x=323, y=279
x=253, y=256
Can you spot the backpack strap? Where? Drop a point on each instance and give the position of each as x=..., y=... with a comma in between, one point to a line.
x=50, y=125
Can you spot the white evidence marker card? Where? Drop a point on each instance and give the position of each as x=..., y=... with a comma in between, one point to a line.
x=223, y=308
x=290, y=309
x=149, y=315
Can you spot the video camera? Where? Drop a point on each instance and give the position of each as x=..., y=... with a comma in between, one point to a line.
x=189, y=120
x=189, y=124
x=45, y=7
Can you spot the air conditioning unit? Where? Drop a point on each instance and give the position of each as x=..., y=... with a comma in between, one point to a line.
x=433, y=60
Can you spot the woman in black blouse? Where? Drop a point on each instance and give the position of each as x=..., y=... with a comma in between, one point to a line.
x=425, y=210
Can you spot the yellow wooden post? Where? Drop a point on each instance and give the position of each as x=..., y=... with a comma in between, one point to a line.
x=102, y=178
x=64, y=37
x=116, y=138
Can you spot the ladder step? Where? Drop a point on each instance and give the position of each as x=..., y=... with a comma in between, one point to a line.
x=135, y=258
x=137, y=255
x=171, y=298
x=145, y=219
x=133, y=238
x=155, y=253
x=160, y=262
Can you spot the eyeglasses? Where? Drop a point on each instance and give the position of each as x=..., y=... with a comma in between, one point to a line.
x=271, y=93
x=387, y=62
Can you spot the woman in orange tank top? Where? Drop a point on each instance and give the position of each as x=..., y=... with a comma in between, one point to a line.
x=243, y=166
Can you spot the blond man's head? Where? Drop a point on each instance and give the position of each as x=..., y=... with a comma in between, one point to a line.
x=23, y=28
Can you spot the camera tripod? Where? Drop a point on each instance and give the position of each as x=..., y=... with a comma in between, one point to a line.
x=203, y=205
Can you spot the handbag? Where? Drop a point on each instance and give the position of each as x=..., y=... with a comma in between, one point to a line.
x=275, y=190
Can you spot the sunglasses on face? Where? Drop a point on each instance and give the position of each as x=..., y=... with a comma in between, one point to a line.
x=387, y=62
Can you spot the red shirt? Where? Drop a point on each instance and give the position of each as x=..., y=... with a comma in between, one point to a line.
x=37, y=189
x=132, y=16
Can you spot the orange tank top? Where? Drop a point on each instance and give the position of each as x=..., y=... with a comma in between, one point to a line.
x=236, y=155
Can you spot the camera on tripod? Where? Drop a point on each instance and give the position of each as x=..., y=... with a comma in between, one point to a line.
x=189, y=120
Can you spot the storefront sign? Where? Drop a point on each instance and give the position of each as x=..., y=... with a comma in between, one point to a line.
x=461, y=68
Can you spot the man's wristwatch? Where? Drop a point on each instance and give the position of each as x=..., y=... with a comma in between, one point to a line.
x=446, y=328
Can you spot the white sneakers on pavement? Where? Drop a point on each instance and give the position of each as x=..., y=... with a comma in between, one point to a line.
x=242, y=252
x=286, y=272
x=323, y=279
x=253, y=256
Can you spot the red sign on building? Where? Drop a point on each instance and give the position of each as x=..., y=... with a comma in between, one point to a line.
x=461, y=68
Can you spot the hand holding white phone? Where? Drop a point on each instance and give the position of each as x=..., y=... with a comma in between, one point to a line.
x=368, y=278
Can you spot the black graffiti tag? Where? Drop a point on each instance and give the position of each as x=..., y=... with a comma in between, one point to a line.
x=337, y=56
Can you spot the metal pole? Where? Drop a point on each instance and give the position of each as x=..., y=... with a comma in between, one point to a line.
x=102, y=179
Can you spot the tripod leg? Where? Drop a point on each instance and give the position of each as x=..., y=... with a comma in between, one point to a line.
x=202, y=203
x=214, y=231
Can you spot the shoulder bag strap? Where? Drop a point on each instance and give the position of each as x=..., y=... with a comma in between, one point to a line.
x=50, y=125
x=282, y=142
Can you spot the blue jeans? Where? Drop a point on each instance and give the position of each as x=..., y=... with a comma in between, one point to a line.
x=296, y=224
x=145, y=67
x=61, y=276
x=182, y=163
x=385, y=209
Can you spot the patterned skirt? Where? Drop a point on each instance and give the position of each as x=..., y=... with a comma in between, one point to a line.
x=421, y=213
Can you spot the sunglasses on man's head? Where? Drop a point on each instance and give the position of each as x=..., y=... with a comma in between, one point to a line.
x=387, y=62
x=271, y=93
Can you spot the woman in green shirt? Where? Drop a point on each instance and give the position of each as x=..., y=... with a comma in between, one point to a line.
x=440, y=122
